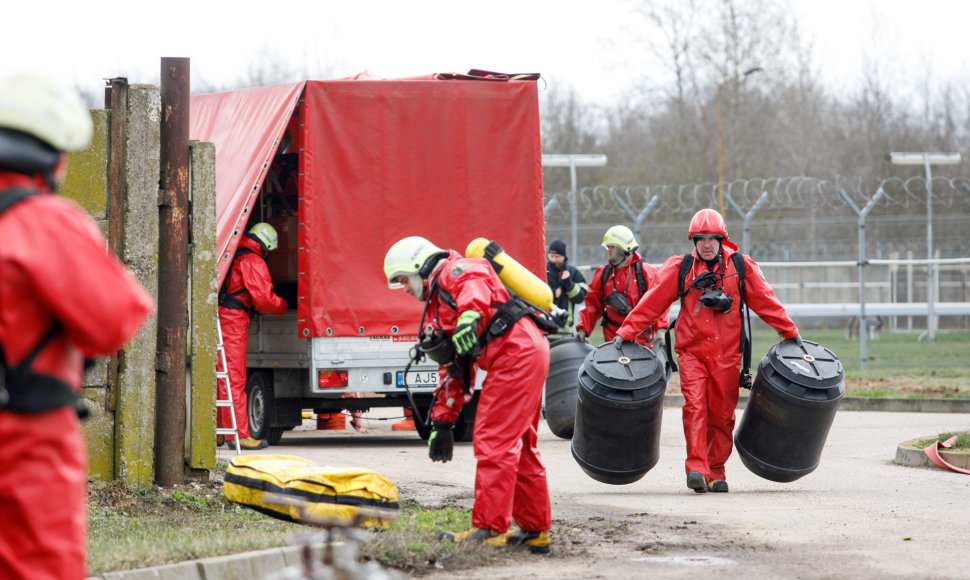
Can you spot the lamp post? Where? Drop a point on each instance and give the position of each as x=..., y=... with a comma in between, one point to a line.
x=572, y=161
x=720, y=146
x=932, y=279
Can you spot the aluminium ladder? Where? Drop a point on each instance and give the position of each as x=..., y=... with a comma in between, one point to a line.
x=227, y=402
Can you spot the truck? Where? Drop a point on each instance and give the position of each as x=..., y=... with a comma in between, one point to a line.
x=343, y=169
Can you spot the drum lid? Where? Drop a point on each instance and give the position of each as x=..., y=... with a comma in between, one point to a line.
x=809, y=365
x=628, y=367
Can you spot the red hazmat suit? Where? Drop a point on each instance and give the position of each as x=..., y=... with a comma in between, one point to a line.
x=510, y=479
x=707, y=346
x=54, y=266
x=249, y=275
x=624, y=281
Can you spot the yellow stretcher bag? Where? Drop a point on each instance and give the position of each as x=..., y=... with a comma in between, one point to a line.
x=296, y=489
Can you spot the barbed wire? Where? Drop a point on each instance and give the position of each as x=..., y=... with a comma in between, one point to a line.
x=773, y=193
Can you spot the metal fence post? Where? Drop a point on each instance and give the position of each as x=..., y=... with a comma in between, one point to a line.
x=863, y=326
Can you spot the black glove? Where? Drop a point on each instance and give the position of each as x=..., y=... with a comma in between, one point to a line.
x=441, y=443
x=797, y=339
x=617, y=341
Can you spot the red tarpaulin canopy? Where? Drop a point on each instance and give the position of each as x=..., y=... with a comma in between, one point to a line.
x=245, y=126
x=450, y=160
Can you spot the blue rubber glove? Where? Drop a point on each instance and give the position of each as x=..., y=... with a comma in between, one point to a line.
x=441, y=442
x=617, y=341
x=465, y=335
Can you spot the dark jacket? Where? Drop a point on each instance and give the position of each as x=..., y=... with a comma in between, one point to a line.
x=566, y=292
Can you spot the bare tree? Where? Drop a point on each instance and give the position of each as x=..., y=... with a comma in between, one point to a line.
x=567, y=126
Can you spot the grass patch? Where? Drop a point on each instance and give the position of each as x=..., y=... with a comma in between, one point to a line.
x=962, y=442
x=138, y=528
x=411, y=543
x=131, y=528
x=897, y=364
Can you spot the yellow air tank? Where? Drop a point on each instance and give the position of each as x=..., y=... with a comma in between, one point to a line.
x=514, y=275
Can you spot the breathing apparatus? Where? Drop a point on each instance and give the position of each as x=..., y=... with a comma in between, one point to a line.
x=618, y=302
x=712, y=294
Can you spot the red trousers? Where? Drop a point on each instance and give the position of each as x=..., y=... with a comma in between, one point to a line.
x=235, y=335
x=510, y=479
x=43, y=496
x=710, y=389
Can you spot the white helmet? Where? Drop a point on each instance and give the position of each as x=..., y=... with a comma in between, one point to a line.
x=408, y=257
x=45, y=109
x=621, y=237
x=266, y=235
x=412, y=257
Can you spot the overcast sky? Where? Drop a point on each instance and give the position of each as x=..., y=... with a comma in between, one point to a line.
x=574, y=42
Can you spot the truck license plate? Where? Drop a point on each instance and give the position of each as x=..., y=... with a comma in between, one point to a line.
x=418, y=378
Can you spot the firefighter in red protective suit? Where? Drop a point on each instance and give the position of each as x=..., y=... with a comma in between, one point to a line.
x=470, y=309
x=63, y=298
x=617, y=287
x=248, y=289
x=708, y=336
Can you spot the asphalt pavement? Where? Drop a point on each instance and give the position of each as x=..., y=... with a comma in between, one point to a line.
x=860, y=514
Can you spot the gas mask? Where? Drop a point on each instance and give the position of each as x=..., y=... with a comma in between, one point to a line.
x=436, y=346
x=712, y=296
x=417, y=287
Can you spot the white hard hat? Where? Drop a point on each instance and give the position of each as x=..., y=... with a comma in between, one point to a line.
x=622, y=237
x=43, y=108
x=408, y=256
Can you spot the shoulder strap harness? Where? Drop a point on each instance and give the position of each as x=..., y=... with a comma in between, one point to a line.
x=21, y=389
x=232, y=301
x=686, y=264
x=607, y=272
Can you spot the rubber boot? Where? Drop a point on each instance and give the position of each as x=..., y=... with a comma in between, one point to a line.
x=252, y=444
x=696, y=482
x=718, y=486
x=537, y=542
x=476, y=536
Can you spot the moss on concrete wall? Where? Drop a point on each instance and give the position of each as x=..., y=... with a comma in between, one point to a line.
x=120, y=430
x=135, y=413
x=87, y=177
x=203, y=295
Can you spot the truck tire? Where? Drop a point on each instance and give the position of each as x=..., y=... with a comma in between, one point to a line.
x=259, y=397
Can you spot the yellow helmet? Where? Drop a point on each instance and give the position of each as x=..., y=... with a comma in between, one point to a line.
x=45, y=109
x=622, y=237
x=408, y=257
x=265, y=234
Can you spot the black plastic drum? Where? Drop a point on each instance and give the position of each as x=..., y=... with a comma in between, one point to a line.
x=619, y=406
x=790, y=410
x=565, y=358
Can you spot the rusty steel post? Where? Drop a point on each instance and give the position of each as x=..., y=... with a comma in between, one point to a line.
x=173, y=217
x=116, y=100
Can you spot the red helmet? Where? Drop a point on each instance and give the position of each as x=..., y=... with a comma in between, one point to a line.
x=708, y=222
